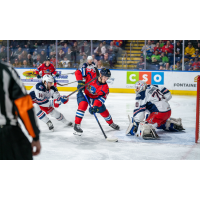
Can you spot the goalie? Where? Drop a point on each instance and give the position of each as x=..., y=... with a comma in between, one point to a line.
x=153, y=99
x=46, y=97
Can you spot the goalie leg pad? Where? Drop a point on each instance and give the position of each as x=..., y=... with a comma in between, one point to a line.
x=132, y=128
x=148, y=131
x=174, y=124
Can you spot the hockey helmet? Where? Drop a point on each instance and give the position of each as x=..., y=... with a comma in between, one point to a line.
x=89, y=58
x=47, y=58
x=48, y=78
x=141, y=85
x=105, y=72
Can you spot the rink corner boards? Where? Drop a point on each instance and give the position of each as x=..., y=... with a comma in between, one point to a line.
x=123, y=90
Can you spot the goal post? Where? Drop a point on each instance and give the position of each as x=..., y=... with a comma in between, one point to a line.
x=197, y=110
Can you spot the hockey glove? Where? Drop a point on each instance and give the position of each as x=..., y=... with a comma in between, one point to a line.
x=93, y=110
x=57, y=75
x=55, y=103
x=38, y=76
x=64, y=99
x=80, y=84
x=133, y=127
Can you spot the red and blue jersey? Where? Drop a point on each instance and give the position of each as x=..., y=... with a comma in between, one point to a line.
x=46, y=69
x=95, y=90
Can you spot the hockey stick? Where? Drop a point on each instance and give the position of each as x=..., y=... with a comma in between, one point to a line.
x=82, y=87
x=66, y=83
x=108, y=139
x=85, y=84
x=68, y=73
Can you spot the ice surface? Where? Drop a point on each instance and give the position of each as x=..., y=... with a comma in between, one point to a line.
x=63, y=145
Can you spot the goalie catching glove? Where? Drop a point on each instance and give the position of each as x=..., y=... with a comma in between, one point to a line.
x=57, y=102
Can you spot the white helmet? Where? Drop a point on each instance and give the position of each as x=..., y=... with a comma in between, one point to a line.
x=141, y=85
x=48, y=78
x=89, y=58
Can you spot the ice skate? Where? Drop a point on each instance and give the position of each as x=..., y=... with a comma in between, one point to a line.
x=114, y=126
x=78, y=130
x=67, y=123
x=50, y=125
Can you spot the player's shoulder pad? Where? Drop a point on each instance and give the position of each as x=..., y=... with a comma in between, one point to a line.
x=85, y=65
x=140, y=96
x=53, y=88
x=41, y=87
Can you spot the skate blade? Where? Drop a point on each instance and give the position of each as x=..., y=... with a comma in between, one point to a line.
x=76, y=133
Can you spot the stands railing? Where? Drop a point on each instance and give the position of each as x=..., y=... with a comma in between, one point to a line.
x=131, y=47
x=123, y=60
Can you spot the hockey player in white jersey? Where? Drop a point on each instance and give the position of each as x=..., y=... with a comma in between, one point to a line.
x=46, y=97
x=154, y=100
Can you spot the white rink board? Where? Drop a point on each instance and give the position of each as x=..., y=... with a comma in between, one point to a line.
x=126, y=79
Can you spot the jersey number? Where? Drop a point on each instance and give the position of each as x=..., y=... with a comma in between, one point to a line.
x=158, y=94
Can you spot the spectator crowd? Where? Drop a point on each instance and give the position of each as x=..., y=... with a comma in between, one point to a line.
x=70, y=53
x=159, y=55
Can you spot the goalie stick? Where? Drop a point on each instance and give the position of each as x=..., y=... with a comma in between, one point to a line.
x=108, y=139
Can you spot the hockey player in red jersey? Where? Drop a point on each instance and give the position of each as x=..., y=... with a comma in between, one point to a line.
x=47, y=68
x=96, y=92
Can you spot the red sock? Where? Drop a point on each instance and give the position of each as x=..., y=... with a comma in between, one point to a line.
x=82, y=107
x=106, y=115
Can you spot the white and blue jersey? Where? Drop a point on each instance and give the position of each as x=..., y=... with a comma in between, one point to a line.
x=154, y=99
x=86, y=66
x=42, y=96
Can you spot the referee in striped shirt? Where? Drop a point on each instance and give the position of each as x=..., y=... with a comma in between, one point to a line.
x=14, y=103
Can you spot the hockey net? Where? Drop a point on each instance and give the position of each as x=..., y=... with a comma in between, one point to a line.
x=198, y=111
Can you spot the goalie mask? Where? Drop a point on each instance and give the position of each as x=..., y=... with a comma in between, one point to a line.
x=140, y=86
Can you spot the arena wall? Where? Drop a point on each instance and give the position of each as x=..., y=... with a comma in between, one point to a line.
x=123, y=81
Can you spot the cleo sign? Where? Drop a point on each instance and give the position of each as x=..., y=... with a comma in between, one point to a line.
x=154, y=78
